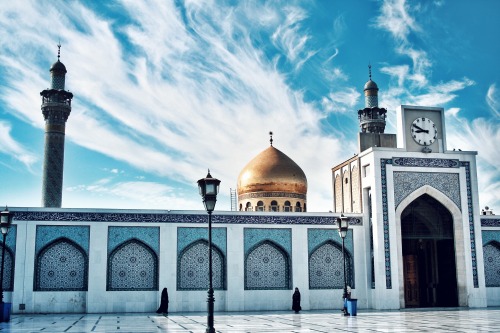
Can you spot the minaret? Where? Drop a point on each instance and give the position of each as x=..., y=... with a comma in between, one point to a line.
x=56, y=107
x=371, y=118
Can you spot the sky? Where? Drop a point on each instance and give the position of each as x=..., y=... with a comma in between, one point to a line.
x=165, y=90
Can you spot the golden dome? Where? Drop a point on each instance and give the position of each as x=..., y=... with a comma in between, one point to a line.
x=272, y=171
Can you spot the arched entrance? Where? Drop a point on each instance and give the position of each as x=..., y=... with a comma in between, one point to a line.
x=427, y=236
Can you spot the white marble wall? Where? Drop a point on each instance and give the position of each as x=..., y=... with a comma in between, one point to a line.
x=235, y=298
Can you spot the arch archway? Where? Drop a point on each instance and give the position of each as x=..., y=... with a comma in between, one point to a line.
x=192, y=267
x=61, y=265
x=132, y=265
x=326, y=270
x=267, y=266
x=428, y=227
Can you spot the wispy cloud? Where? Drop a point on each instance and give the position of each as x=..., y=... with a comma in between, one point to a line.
x=395, y=18
x=341, y=101
x=175, y=90
x=493, y=100
x=13, y=148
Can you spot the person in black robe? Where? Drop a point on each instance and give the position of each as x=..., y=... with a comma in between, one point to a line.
x=296, y=301
x=164, y=302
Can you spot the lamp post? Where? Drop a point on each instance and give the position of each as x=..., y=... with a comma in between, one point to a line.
x=209, y=187
x=343, y=223
x=5, y=221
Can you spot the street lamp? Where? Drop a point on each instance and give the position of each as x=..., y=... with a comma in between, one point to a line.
x=209, y=187
x=5, y=221
x=343, y=223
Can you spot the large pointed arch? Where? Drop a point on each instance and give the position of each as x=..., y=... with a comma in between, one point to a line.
x=132, y=265
x=491, y=252
x=8, y=270
x=458, y=235
x=61, y=265
x=267, y=267
x=326, y=267
x=192, y=267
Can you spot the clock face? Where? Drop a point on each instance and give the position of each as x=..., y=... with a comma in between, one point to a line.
x=423, y=131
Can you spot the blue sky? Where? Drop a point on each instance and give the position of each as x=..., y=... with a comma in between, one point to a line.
x=166, y=89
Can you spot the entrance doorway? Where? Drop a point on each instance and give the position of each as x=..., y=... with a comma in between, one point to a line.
x=430, y=275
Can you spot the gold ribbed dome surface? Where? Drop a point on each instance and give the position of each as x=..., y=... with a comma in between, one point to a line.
x=272, y=171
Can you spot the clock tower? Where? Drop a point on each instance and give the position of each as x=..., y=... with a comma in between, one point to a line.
x=421, y=129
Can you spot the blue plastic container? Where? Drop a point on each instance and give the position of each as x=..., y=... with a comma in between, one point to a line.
x=5, y=309
x=352, y=306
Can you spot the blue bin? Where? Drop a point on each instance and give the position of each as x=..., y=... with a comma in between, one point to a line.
x=5, y=309
x=352, y=306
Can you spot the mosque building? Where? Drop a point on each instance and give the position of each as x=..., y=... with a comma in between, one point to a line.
x=416, y=236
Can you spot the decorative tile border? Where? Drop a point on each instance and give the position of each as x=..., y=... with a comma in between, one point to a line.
x=426, y=162
x=385, y=212
x=241, y=218
x=431, y=163
x=490, y=222
x=466, y=165
x=254, y=195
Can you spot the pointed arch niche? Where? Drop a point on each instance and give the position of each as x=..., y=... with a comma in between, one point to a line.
x=132, y=265
x=61, y=265
x=326, y=267
x=192, y=267
x=457, y=234
x=267, y=267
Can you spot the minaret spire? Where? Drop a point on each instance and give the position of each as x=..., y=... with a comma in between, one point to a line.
x=56, y=107
x=271, y=139
x=371, y=118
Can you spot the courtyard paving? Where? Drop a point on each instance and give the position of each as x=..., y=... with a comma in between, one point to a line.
x=432, y=320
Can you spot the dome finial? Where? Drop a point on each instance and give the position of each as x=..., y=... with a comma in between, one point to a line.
x=271, y=139
x=59, y=50
x=370, y=70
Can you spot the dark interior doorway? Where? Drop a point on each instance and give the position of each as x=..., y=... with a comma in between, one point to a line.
x=430, y=277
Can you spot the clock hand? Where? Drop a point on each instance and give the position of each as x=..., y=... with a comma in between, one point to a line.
x=422, y=131
x=418, y=127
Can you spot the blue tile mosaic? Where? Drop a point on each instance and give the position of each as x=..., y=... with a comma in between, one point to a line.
x=490, y=235
x=132, y=265
x=10, y=239
x=267, y=267
x=491, y=251
x=280, y=236
x=189, y=235
x=315, y=237
x=46, y=234
x=407, y=182
x=147, y=235
x=193, y=267
x=61, y=265
x=10, y=258
x=325, y=261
